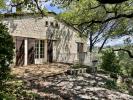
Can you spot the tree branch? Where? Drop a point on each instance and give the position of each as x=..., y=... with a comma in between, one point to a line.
x=42, y=13
x=111, y=1
x=18, y=4
x=90, y=23
x=129, y=52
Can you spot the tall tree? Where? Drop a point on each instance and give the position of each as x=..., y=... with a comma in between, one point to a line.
x=79, y=13
x=99, y=9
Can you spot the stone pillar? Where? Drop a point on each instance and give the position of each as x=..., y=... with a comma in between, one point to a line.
x=45, y=50
x=25, y=52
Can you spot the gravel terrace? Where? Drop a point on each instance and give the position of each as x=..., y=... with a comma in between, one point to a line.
x=51, y=83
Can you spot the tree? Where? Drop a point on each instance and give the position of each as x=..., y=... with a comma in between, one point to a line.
x=79, y=13
x=100, y=1
x=6, y=54
x=84, y=14
x=2, y=4
x=110, y=62
x=98, y=10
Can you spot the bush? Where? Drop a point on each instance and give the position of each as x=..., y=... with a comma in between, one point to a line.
x=126, y=62
x=6, y=52
x=6, y=96
x=123, y=87
x=111, y=84
x=110, y=62
x=6, y=56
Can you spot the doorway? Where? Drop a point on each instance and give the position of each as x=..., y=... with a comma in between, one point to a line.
x=39, y=51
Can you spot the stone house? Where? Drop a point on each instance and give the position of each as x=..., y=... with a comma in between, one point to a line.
x=40, y=40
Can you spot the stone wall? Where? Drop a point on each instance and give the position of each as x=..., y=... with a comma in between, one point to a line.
x=64, y=37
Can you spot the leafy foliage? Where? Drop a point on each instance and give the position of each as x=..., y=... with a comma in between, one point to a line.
x=90, y=17
x=110, y=62
x=110, y=84
x=2, y=3
x=126, y=62
x=6, y=53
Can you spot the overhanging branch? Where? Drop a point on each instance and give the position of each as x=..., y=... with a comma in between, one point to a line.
x=129, y=52
x=111, y=1
x=90, y=23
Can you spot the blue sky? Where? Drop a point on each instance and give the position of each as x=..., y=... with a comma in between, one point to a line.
x=44, y=4
x=117, y=41
x=51, y=8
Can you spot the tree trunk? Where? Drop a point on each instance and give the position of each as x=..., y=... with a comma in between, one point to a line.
x=100, y=49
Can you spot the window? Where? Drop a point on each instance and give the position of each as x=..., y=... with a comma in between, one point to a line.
x=46, y=23
x=80, y=47
x=52, y=24
x=39, y=49
x=56, y=25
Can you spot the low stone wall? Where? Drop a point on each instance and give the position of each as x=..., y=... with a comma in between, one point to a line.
x=78, y=71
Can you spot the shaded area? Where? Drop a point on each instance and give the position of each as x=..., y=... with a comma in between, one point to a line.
x=61, y=86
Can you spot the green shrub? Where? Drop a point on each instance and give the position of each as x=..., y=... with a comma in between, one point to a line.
x=110, y=62
x=123, y=87
x=6, y=56
x=6, y=53
x=126, y=62
x=6, y=96
x=111, y=84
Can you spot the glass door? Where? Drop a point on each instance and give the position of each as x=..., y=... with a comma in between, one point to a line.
x=39, y=51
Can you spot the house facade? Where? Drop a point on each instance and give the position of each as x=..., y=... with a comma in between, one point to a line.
x=39, y=40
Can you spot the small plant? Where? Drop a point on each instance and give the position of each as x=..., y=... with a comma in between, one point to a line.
x=6, y=53
x=6, y=96
x=123, y=87
x=111, y=84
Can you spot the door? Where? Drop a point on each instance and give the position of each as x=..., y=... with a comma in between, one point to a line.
x=50, y=51
x=39, y=51
x=19, y=51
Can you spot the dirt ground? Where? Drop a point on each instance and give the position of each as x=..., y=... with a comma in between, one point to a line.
x=41, y=71
x=51, y=83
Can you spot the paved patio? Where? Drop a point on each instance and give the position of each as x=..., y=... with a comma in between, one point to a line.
x=39, y=71
x=50, y=83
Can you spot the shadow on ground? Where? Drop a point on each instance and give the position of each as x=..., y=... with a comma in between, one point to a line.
x=69, y=87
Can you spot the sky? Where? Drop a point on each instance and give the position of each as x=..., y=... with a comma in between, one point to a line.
x=51, y=8
x=117, y=41
x=44, y=4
